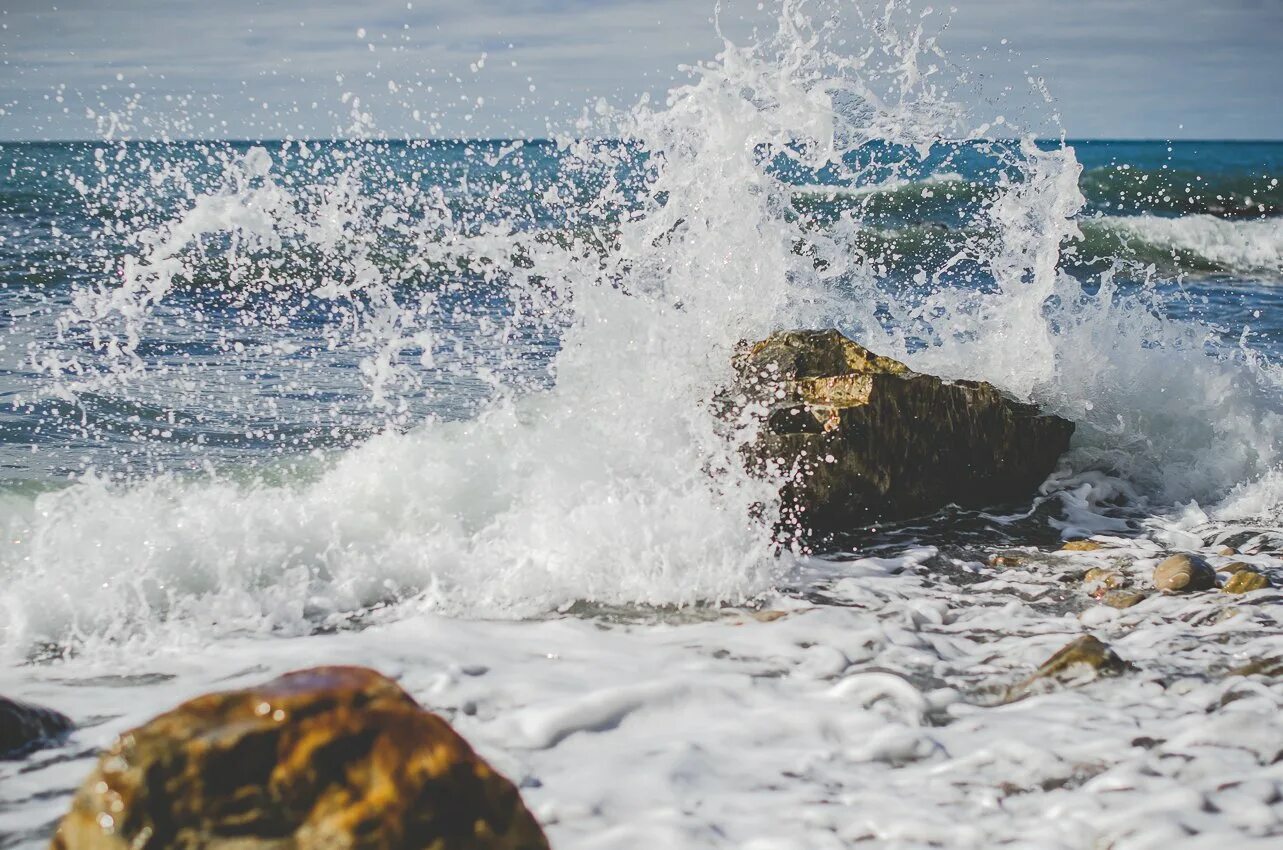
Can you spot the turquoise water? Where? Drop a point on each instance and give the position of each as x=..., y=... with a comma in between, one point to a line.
x=1193, y=225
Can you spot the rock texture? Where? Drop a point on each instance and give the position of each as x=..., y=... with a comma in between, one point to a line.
x=25, y=727
x=862, y=437
x=338, y=758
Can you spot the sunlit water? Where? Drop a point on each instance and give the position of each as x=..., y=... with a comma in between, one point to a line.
x=440, y=407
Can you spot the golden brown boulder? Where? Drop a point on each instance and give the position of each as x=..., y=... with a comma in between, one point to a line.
x=25, y=727
x=860, y=437
x=1082, y=546
x=335, y=758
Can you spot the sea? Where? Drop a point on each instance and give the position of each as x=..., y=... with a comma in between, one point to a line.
x=442, y=407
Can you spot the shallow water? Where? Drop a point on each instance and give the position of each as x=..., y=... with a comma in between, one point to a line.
x=440, y=407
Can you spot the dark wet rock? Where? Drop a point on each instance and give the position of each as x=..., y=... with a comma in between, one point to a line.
x=1081, y=660
x=1184, y=574
x=335, y=757
x=25, y=727
x=861, y=437
x=1082, y=546
x=1246, y=581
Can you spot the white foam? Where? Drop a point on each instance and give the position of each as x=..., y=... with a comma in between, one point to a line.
x=1235, y=246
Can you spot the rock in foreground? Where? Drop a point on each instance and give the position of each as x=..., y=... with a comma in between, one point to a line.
x=25, y=727
x=336, y=757
x=863, y=437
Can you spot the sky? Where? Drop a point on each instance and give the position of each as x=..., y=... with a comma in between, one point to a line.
x=75, y=69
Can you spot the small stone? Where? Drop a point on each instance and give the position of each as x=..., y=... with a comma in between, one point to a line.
x=1082, y=546
x=335, y=757
x=1007, y=560
x=1184, y=574
x=1122, y=598
x=1227, y=551
x=1085, y=655
x=1268, y=667
x=25, y=727
x=1246, y=581
x=1235, y=567
x=1105, y=577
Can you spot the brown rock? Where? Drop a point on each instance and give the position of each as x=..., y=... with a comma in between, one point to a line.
x=1122, y=598
x=1246, y=581
x=1227, y=551
x=1083, y=658
x=1236, y=567
x=1082, y=546
x=1184, y=574
x=323, y=759
x=25, y=727
x=861, y=437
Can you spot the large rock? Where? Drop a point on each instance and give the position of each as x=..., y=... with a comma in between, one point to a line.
x=862, y=437
x=336, y=758
x=25, y=727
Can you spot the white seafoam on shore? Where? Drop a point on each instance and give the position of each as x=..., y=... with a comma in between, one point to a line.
x=817, y=730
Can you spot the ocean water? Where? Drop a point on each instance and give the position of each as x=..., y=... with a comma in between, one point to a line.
x=440, y=407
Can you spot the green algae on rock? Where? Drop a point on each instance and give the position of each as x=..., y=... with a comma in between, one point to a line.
x=860, y=437
x=25, y=727
x=334, y=757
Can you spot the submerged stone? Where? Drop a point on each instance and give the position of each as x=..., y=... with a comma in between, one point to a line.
x=1184, y=574
x=860, y=437
x=335, y=757
x=1122, y=598
x=1246, y=581
x=25, y=727
x=1082, y=659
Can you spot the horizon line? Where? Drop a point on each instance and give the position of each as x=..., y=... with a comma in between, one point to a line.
x=496, y=139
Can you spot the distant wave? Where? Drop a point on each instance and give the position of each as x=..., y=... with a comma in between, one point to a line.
x=1194, y=242
x=1158, y=190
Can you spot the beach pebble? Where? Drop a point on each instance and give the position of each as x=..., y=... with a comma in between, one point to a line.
x=1227, y=550
x=1184, y=574
x=1235, y=567
x=1246, y=581
x=1122, y=598
x=1083, y=658
x=1082, y=546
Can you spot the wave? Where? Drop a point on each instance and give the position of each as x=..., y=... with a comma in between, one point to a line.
x=605, y=477
x=1193, y=242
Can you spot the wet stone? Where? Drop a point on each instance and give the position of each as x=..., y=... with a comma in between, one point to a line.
x=1184, y=574
x=1080, y=660
x=1246, y=581
x=858, y=436
x=25, y=727
x=1082, y=546
x=1236, y=567
x=1122, y=598
x=334, y=757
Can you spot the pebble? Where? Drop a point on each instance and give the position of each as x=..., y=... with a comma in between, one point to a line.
x=1123, y=598
x=1246, y=581
x=1110, y=579
x=1184, y=574
x=1082, y=546
x=1235, y=567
